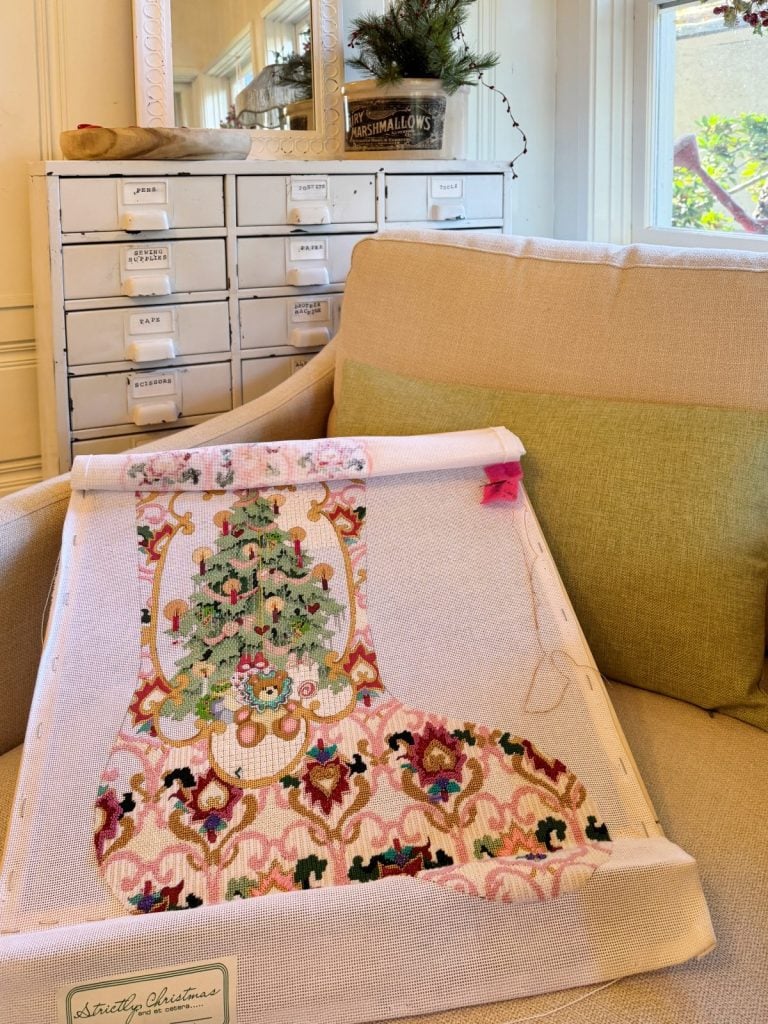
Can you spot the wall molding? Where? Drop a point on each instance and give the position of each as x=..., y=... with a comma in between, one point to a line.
x=16, y=300
x=488, y=13
x=16, y=355
x=17, y=324
x=51, y=76
x=18, y=473
x=593, y=162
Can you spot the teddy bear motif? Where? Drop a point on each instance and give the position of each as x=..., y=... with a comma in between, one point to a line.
x=266, y=713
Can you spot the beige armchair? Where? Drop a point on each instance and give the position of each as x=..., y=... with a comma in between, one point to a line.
x=475, y=324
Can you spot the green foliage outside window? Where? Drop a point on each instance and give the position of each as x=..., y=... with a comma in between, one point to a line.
x=734, y=151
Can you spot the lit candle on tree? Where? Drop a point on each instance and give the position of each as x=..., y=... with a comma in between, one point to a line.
x=278, y=500
x=324, y=573
x=231, y=588
x=298, y=535
x=221, y=519
x=173, y=612
x=274, y=606
x=201, y=555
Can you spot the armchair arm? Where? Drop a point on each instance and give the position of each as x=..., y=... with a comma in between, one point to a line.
x=31, y=520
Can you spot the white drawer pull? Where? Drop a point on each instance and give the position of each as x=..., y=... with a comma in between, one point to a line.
x=144, y=220
x=306, y=337
x=149, y=350
x=309, y=213
x=149, y=284
x=303, y=276
x=447, y=211
x=145, y=413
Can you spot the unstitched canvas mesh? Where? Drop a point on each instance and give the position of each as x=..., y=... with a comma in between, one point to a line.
x=330, y=701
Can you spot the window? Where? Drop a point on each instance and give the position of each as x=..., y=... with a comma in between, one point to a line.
x=700, y=173
x=287, y=28
x=203, y=98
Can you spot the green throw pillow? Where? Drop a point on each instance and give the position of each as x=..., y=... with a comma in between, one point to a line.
x=657, y=517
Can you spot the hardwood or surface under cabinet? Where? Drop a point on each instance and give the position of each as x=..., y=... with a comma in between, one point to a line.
x=167, y=292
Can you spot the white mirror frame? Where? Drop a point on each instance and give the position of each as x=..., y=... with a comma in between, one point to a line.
x=154, y=82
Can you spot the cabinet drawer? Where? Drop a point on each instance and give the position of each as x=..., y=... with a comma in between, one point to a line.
x=444, y=197
x=143, y=399
x=305, y=322
x=114, y=445
x=261, y=375
x=303, y=261
x=141, y=204
x=140, y=269
x=275, y=200
x=147, y=333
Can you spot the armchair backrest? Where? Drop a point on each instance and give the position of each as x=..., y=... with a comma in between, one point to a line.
x=642, y=323
x=687, y=327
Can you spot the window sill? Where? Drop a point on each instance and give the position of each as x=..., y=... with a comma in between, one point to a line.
x=701, y=239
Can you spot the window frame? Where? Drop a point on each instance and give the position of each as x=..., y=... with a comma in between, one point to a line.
x=648, y=44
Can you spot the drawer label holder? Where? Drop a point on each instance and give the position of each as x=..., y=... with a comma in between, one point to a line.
x=146, y=257
x=309, y=189
x=145, y=193
x=143, y=386
x=446, y=188
x=310, y=311
x=151, y=322
x=301, y=249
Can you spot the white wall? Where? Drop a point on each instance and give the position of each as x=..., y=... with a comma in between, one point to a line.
x=19, y=140
x=523, y=32
x=63, y=62
x=593, y=123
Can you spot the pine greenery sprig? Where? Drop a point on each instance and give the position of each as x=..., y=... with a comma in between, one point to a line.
x=418, y=39
x=296, y=70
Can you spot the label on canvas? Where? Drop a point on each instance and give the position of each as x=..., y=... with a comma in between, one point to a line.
x=184, y=994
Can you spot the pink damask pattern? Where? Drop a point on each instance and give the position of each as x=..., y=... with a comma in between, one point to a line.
x=273, y=758
x=245, y=465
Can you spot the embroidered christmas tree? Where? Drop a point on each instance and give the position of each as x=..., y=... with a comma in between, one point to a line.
x=259, y=610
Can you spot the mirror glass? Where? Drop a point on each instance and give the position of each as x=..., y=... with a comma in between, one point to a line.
x=242, y=64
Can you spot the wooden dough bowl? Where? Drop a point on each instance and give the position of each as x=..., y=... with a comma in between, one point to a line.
x=96, y=143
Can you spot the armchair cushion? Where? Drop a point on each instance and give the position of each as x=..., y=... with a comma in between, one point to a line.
x=657, y=516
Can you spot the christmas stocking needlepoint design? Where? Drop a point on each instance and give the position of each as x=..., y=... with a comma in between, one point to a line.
x=261, y=751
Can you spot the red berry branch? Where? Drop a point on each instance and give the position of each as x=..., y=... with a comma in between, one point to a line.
x=752, y=12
